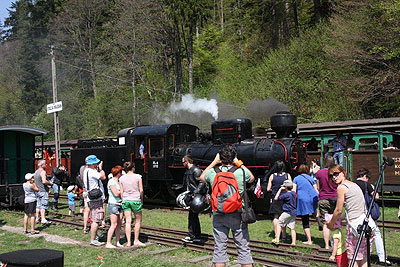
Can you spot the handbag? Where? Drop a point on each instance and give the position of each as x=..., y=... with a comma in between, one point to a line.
x=248, y=214
x=375, y=211
x=94, y=193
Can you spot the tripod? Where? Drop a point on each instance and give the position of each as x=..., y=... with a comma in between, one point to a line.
x=364, y=229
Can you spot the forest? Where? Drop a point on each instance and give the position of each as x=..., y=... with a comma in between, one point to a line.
x=122, y=63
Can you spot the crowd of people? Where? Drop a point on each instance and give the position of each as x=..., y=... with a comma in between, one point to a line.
x=323, y=192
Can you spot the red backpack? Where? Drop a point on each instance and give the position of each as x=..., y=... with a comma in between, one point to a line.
x=225, y=197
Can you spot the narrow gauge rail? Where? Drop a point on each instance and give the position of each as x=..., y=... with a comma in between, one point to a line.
x=319, y=254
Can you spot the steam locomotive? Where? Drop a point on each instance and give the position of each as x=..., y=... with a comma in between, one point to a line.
x=163, y=146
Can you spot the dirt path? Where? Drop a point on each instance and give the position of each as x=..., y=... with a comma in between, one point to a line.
x=48, y=237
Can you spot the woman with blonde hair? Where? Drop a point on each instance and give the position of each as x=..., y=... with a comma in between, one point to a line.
x=350, y=196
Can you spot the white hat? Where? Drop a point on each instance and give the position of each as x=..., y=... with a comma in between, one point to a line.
x=110, y=175
x=70, y=188
x=28, y=176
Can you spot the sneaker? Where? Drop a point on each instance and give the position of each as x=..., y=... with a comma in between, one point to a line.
x=45, y=222
x=187, y=239
x=119, y=245
x=387, y=262
x=197, y=240
x=96, y=243
x=110, y=246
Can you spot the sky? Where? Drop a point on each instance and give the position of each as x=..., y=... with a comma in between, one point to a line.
x=4, y=4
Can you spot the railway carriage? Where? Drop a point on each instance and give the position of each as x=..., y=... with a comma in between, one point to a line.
x=17, y=157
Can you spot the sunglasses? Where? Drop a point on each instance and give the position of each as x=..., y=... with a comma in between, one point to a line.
x=334, y=175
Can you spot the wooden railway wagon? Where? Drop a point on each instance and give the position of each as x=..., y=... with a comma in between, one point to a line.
x=17, y=157
x=371, y=143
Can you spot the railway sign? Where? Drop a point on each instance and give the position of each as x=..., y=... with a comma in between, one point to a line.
x=54, y=107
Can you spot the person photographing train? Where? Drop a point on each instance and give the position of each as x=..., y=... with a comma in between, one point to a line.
x=58, y=175
x=223, y=222
x=191, y=181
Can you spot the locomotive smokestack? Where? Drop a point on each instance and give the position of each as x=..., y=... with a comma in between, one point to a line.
x=283, y=123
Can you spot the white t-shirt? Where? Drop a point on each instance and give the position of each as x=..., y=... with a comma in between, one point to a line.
x=94, y=181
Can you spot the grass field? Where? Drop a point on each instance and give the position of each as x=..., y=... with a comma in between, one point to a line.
x=90, y=256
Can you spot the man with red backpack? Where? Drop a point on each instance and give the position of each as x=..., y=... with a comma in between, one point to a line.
x=226, y=199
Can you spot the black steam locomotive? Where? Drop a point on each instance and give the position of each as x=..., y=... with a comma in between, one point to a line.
x=157, y=151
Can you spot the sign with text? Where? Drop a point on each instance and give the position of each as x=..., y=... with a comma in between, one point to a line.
x=54, y=107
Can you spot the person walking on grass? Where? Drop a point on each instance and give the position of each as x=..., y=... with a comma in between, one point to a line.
x=307, y=198
x=288, y=216
x=30, y=190
x=275, y=182
x=132, y=202
x=114, y=206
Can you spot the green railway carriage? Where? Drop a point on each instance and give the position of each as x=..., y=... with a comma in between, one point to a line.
x=17, y=157
x=371, y=144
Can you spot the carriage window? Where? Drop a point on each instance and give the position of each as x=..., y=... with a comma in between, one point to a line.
x=371, y=143
x=156, y=147
x=171, y=141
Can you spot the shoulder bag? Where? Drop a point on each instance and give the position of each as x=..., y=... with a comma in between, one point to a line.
x=248, y=214
x=375, y=212
x=94, y=193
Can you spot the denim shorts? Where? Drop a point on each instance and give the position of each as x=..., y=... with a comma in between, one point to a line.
x=42, y=200
x=114, y=209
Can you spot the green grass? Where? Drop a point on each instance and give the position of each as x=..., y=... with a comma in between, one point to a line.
x=261, y=230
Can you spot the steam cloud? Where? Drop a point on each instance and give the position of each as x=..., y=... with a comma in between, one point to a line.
x=193, y=105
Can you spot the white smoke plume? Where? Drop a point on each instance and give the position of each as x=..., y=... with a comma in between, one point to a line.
x=196, y=105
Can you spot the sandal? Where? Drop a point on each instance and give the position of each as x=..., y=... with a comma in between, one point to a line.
x=35, y=232
x=85, y=231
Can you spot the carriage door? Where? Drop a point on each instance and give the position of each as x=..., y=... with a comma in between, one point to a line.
x=139, y=157
x=155, y=160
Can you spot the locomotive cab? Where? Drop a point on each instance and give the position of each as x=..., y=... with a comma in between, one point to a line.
x=151, y=152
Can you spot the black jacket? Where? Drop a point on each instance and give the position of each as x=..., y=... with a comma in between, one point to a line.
x=191, y=178
x=59, y=175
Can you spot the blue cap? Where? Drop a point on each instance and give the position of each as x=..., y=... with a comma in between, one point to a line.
x=92, y=159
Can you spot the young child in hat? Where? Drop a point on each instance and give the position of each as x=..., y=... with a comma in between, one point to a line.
x=30, y=190
x=71, y=199
x=288, y=216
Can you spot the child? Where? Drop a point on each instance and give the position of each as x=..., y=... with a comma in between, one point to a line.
x=71, y=199
x=338, y=249
x=30, y=190
x=288, y=216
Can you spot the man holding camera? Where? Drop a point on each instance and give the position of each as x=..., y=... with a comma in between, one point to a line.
x=58, y=175
x=92, y=177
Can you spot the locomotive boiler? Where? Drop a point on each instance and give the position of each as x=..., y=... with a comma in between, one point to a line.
x=157, y=151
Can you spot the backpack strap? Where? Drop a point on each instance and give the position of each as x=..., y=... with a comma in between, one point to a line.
x=217, y=170
x=233, y=169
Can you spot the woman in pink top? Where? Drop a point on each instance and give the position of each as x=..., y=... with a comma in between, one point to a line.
x=132, y=201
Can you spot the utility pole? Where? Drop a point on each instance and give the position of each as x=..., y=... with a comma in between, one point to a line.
x=56, y=125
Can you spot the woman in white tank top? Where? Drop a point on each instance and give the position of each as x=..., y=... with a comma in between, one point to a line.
x=350, y=196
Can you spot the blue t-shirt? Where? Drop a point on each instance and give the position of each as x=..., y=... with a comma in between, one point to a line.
x=337, y=146
x=71, y=198
x=289, y=202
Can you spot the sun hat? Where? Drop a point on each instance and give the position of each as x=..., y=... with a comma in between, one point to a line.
x=70, y=188
x=287, y=183
x=28, y=176
x=92, y=159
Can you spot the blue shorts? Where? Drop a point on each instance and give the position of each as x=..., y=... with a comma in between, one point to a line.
x=114, y=209
x=42, y=200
